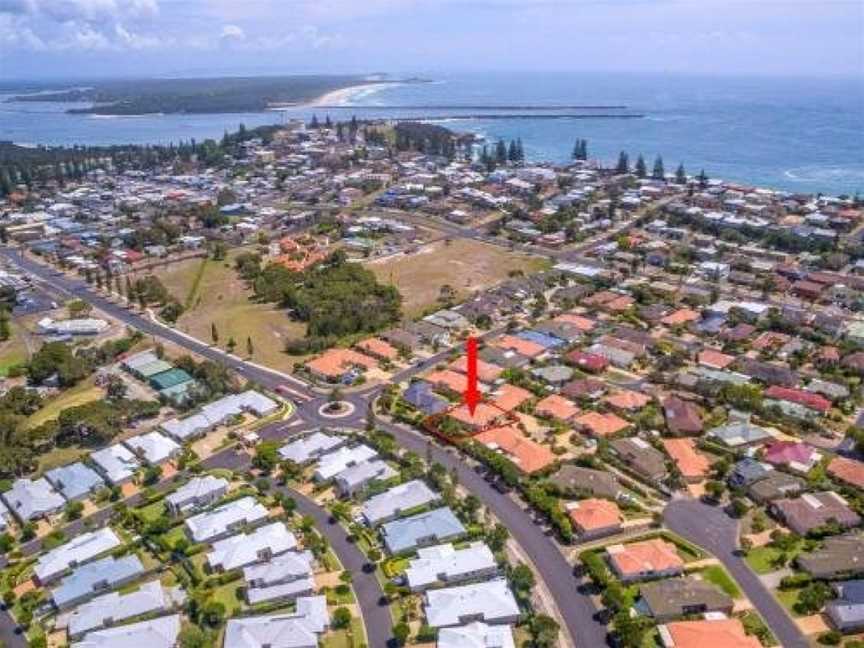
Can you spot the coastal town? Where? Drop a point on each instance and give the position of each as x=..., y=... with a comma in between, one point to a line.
x=233, y=399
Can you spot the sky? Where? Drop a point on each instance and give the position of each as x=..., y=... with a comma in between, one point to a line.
x=85, y=39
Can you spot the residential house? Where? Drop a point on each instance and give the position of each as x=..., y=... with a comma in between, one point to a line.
x=846, y=611
x=813, y=510
x=491, y=602
x=116, y=463
x=226, y=519
x=655, y=558
x=557, y=407
x=112, y=608
x=391, y=504
x=739, y=434
x=311, y=447
x=527, y=455
x=674, y=598
x=161, y=632
x=682, y=417
x=75, y=481
x=444, y=564
x=775, y=485
x=848, y=471
x=244, y=549
x=476, y=635
x=420, y=530
x=718, y=633
x=793, y=455
x=196, y=494
x=600, y=425
x=692, y=465
x=594, y=518
x=88, y=581
x=79, y=550
x=32, y=499
x=576, y=479
x=641, y=457
x=419, y=394
x=153, y=448
x=283, y=578
x=839, y=557
x=300, y=629
x=355, y=478
x=334, y=462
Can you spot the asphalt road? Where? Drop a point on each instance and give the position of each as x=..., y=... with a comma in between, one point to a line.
x=576, y=609
x=710, y=528
x=368, y=590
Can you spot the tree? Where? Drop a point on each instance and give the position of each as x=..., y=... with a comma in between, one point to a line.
x=623, y=165
x=191, y=636
x=250, y=349
x=680, y=175
x=641, y=170
x=401, y=632
x=214, y=333
x=522, y=579
x=545, y=631
x=341, y=618
x=73, y=510
x=231, y=345
x=115, y=388
x=658, y=173
x=5, y=326
x=702, y=178
x=213, y=613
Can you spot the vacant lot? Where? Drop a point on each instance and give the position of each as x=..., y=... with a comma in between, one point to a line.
x=464, y=265
x=215, y=295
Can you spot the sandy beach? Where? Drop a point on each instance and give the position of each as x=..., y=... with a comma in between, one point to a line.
x=344, y=95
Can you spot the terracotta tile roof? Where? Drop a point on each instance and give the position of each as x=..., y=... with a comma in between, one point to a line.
x=720, y=633
x=486, y=371
x=523, y=347
x=528, y=455
x=770, y=340
x=805, y=398
x=585, y=387
x=333, y=363
x=619, y=304
x=715, y=359
x=557, y=407
x=601, y=425
x=593, y=514
x=680, y=316
x=691, y=463
x=602, y=297
x=509, y=397
x=848, y=471
x=587, y=361
x=378, y=348
x=582, y=323
x=450, y=379
x=655, y=555
x=628, y=400
x=484, y=414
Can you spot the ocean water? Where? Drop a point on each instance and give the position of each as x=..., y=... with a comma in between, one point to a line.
x=791, y=134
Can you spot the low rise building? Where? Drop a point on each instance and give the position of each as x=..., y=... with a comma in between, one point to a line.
x=444, y=564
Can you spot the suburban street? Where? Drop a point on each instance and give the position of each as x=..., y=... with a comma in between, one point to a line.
x=710, y=528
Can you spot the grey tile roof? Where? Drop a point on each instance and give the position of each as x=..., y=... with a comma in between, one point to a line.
x=75, y=481
x=431, y=527
x=155, y=633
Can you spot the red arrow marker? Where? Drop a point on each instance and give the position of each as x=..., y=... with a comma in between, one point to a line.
x=472, y=394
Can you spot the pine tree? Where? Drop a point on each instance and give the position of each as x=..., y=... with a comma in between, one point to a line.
x=250, y=349
x=232, y=344
x=327, y=123
x=680, y=175
x=702, y=178
x=314, y=123
x=659, y=173
x=512, y=152
x=214, y=334
x=501, y=152
x=641, y=170
x=577, y=150
x=520, y=151
x=623, y=163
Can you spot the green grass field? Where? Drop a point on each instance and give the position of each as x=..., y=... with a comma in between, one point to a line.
x=84, y=392
x=764, y=560
x=719, y=577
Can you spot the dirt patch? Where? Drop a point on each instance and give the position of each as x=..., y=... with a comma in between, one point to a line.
x=463, y=264
x=814, y=624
